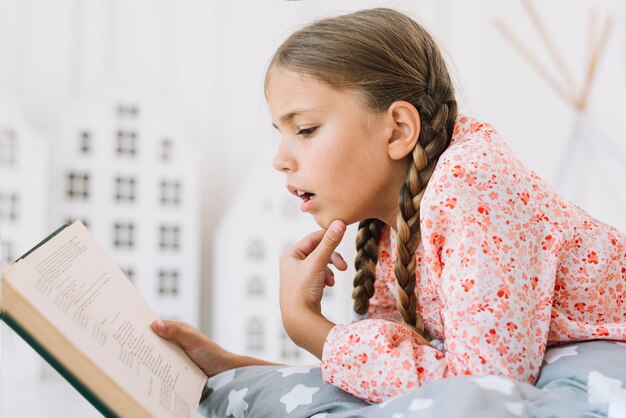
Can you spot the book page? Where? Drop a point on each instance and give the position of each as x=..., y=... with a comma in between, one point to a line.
x=74, y=283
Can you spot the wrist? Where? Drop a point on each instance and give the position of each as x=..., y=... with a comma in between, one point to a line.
x=230, y=361
x=308, y=329
x=295, y=319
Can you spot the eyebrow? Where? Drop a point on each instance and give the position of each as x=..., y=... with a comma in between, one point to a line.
x=288, y=117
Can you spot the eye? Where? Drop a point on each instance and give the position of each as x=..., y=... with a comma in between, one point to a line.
x=307, y=132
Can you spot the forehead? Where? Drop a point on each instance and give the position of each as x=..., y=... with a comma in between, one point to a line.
x=287, y=90
x=290, y=93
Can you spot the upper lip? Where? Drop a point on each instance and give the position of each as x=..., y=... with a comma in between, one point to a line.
x=296, y=191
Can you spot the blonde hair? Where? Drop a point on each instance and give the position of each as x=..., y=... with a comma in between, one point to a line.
x=385, y=56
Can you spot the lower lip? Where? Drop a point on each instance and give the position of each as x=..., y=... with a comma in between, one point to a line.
x=307, y=206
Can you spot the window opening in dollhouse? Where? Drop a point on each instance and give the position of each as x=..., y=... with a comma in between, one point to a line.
x=128, y=111
x=85, y=142
x=8, y=252
x=77, y=185
x=170, y=192
x=125, y=189
x=256, y=250
x=8, y=147
x=255, y=340
x=9, y=206
x=129, y=272
x=255, y=286
x=123, y=233
x=169, y=237
x=126, y=143
x=166, y=150
x=168, y=282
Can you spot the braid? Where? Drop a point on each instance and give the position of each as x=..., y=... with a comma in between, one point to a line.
x=436, y=129
x=365, y=263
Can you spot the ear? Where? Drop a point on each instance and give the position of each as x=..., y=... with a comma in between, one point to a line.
x=404, y=119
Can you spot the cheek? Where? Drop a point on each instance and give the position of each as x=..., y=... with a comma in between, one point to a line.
x=330, y=168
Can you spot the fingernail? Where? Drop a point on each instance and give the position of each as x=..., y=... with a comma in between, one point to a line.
x=336, y=227
x=160, y=326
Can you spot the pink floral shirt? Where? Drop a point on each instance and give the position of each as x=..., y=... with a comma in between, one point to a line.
x=505, y=267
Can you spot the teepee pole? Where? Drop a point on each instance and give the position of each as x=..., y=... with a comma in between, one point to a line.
x=534, y=62
x=553, y=51
x=598, y=49
x=591, y=35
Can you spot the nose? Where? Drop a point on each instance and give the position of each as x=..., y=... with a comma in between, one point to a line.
x=283, y=160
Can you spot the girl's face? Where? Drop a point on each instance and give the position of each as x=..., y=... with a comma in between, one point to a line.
x=333, y=150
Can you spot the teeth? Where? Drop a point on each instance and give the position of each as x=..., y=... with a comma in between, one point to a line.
x=300, y=192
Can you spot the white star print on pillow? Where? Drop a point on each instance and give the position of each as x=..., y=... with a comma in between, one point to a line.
x=299, y=395
x=604, y=389
x=236, y=404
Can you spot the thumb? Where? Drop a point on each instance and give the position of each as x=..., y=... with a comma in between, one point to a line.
x=180, y=332
x=331, y=239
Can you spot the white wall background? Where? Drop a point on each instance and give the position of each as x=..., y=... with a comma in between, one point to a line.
x=208, y=57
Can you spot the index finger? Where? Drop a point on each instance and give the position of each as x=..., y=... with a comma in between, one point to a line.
x=306, y=245
x=329, y=242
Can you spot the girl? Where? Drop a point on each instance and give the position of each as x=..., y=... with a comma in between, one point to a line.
x=468, y=263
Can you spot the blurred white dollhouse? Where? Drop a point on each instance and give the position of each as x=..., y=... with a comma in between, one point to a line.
x=24, y=166
x=123, y=165
x=264, y=221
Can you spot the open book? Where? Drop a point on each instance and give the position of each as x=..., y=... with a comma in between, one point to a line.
x=72, y=304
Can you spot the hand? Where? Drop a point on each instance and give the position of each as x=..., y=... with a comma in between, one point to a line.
x=304, y=270
x=304, y=273
x=209, y=356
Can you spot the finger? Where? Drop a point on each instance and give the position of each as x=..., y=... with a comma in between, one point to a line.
x=329, y=277
x=331, y=239
x=337, y=260
x=184, y=334
x=306, y=245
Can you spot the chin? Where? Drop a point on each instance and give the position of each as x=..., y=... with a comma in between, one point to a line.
x=324, y=222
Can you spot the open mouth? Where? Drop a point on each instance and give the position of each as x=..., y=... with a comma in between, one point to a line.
x=308, y=198
x=304, y=195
